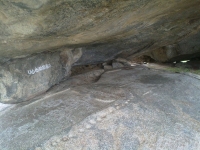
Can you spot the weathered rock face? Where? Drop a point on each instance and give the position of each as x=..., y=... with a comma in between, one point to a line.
x=131, y=26
x=98, y=30
x=144, y=109
x=23, y=79
x=185, y=49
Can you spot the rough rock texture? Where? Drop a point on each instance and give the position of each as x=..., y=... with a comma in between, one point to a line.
x=106, y=26
x=117, y=65
x=89, y=32
x=144, y=109
x=186, y=49
x=22, y=79
x=25, y=78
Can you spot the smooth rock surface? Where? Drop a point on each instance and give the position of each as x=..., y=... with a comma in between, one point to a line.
x=105, y=28
x=136, y=108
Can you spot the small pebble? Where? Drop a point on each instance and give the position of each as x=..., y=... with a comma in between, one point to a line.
x=116, y=104
x=70, y=135
x=53, y=143
x=99, y=119
x=110, y=109
x=81, y=130
x=92, y=121
x=126, y=102
x=103, y=115
x=88, y=126
x=117, y=107
x=57, y=140
x=65, y=138
x=38, y=148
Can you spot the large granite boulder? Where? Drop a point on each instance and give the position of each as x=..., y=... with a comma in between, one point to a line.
x=25, y=78
x=22, y=79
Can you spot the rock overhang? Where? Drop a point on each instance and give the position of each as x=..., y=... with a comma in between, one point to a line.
x=134, y=27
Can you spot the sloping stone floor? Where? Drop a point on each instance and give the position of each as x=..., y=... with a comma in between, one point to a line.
x=126, y=109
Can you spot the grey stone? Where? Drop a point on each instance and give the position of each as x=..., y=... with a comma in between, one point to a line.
x=115, y=27
x=22, y=79
x=107, y=67
x=187, y=48
x=162, y=113
x=124, y=61
x=116, y=65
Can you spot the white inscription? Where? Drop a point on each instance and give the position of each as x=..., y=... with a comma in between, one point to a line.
x=44, y=67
